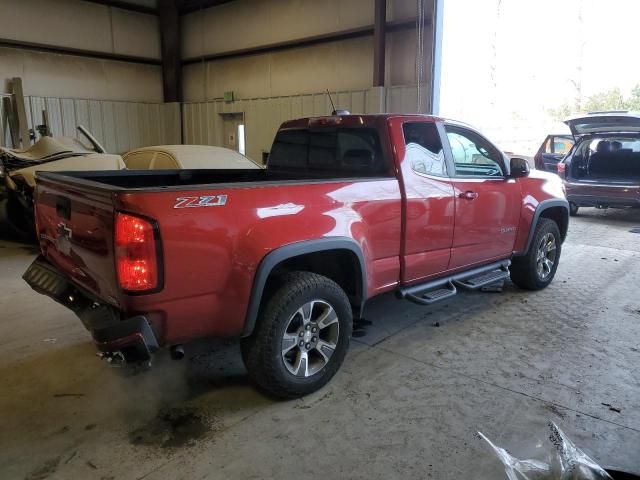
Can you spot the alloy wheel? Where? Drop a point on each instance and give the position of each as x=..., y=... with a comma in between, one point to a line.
x=546, y=256
x=310, y=338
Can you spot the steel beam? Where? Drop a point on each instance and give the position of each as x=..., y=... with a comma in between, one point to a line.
x=169, y=24
x=379, y=37
x=305, y=42
x=78, y=52
x=126, y=6
x=189, y=6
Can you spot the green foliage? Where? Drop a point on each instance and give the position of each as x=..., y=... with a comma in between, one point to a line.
x=609, y=100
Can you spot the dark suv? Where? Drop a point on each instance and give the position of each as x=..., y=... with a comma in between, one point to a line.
x=603, y=168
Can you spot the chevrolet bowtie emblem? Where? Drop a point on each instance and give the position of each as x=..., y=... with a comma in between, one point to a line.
x=64, y=231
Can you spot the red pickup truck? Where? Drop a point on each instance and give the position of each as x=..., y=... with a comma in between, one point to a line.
x=349, y=207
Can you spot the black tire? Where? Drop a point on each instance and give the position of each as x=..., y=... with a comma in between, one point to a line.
x=573, y=209
x=524, y=270
x=262, y=351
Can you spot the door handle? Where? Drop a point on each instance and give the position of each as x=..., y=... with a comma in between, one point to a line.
x=468, y=195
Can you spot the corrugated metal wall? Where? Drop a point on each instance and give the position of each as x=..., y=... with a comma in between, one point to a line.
x=203, y=121
x=119, y=126
x=122, y=126
x=404, y=99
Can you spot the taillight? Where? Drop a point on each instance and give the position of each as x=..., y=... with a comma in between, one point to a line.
x=136, y=253
x=562, y=168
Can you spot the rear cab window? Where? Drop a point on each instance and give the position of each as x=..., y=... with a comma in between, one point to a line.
x=330, y=152
x=423, y=149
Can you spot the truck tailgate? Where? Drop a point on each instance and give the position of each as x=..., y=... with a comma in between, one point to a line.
x=74, y=224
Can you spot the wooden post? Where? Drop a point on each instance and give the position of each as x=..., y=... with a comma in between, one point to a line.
x=12, y=124
x=379, y=42
x=20, y=112
x=169, y=23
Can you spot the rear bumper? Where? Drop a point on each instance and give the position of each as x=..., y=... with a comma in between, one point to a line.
x=606, y=195
x=604, y=201
x=132, y=339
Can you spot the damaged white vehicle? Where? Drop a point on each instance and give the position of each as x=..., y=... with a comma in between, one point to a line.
x=64, y=154
x=18, y=168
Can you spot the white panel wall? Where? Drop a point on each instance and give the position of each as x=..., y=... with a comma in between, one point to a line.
x=344, y=65
x=282, y=85
x=249, y=23
x=404, y=99
x=341, y=65
x=135, y=33
x=80, y=24
x=202, y=121
x=119, y=126
x=47, y=74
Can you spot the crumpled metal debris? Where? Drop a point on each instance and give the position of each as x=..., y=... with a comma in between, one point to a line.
x=565, y=461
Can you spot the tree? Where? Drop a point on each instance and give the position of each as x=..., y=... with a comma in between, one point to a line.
x=611, y=99
x=633, y=102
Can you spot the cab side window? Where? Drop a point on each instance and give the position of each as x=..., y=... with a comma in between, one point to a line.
x=423, y=149
x=473, y=155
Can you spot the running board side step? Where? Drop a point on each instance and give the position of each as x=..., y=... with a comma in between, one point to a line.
x=430, y=297
x=434, y=291
x=484, y=279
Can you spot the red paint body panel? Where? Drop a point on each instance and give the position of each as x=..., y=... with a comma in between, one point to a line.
x=429, y=213
x=485, y=224
x=409, y=227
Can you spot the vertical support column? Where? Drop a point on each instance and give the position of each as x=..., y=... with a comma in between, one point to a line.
x=436, y=59
x=20, y=112
x=379, y=42
x=169, y=24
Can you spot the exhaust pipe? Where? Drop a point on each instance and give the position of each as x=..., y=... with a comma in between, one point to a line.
x=177, y=352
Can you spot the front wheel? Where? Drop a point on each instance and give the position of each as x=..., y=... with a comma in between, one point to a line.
x=536, y=269
x=301, y=337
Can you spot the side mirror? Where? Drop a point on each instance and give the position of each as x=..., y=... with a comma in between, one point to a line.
x=519, y=167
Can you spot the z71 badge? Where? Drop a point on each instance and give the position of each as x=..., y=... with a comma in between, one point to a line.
x=206, y=201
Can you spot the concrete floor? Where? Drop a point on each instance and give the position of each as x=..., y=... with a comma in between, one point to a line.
x=406, y=404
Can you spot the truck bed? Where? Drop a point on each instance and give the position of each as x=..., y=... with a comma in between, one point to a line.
x=181, y=179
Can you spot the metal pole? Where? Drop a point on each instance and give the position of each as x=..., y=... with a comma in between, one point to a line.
x=436, y=64
x=379, y=42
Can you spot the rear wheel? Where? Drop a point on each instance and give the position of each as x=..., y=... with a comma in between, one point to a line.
x=573, y=209
x=536, y=269
x=301, y=337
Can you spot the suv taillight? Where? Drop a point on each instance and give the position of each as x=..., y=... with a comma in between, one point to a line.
x=562, y=168
x=136, y=253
